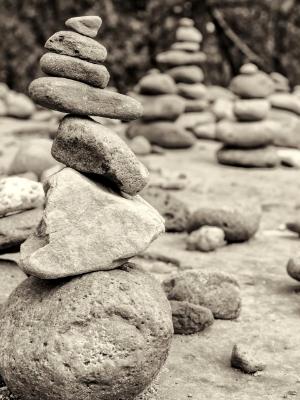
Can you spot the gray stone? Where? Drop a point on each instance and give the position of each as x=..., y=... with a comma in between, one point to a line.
x=190, y=318
x=187, y=74
x=186, y=22
x=286, y=101
x=214, y=290
x=100, y=335
x=87, y=25
x=192, y=91
x=238, y=221
x=79, y=98
x=265, y=157
x=293, y=266
x=192, y=120
x=140, y=146
x=206, y=238
x=215, y=92
x=188, y=34
x=16, y=228
x=166, y=107
x=75, y=68
x=281, y=82
x=10, y=276
x=258, y=85
x=97, y=230
x=19, y=194
x=163, y=134
x=196, y=105
x=90, y=147
x=223, y=109
x=249, y=69
x=174, y=211
x=75, y=45
x=186, y=46
x=156, y=83
x=251, y=110
x=206, y=131
x=178, y=58
x=244, y=357
x=18, y=105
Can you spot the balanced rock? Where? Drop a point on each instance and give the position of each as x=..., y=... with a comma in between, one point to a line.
x=19, y=194
x=174, y=211
x=140, y=146
x=179, y=58
x=186, y=46
x=190, y=318
x=258, y=85
x=245, y=134
x=206, y=131
x=238, y=221
x=186, y=22
x=16, y=228
x=80, y=236
x=190, y=120
x=197, y=105
x=166, y=107
x=67, y=96
x=100, y=335
x=163, y=134
x=223, y=109
x=90, y=147
x=75, y=68
x=75, y=45
x=156, y=83
x=286, y=101
x=187, y=74
x=251, y=110
x=244, y=357
x=195, y=91
x=188, y=34
x=293, y=268
x=214, y=290
x=249, y=69
x=86, y=25
x=264, y=157
x=206, y=238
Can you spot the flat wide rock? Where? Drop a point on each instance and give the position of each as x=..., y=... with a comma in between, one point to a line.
x=90, y=147
x=166, y=107
x=100, y=335
x=96, y=230
x=73, y=97
x=265, y=157
x=175, y=58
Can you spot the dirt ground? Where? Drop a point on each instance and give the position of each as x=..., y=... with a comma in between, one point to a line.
x=198, y=366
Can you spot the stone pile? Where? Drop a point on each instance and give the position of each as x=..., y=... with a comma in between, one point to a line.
x=247, y=140
x=103, y=329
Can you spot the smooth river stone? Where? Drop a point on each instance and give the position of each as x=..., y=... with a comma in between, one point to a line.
x=178, y=58
x=155, y=83
x=186, y=46
x=165, y=107
x=75, y=68
x=97, y=230
x=187, y=74
x=188, y=34
x=265, y=157
x=75, y=45
x=90, y=147
x=251, y=110
x=87, y=25
x=69, y=96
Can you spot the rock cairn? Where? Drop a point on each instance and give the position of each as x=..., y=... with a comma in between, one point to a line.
x=104, y=329
x=247, y=140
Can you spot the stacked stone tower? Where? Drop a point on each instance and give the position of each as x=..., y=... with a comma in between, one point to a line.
x=87, y=323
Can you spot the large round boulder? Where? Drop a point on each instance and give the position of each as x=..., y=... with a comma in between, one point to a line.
x=103, y=335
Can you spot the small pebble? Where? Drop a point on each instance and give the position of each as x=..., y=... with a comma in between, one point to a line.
x=244, y=358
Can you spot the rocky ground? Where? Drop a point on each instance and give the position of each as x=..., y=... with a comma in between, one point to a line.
x=199, y=365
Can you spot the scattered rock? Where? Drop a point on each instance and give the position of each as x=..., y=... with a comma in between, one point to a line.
x=190, y=318
x=244, y=358
x=187, y=74
x=207, y=238
x=86, y=25
x=173, y=58
x=214, y=290
x=238, y=221
x=18, y=105
x=265, y=157
x=90, y=147
x=140, y=146
x=128, y=221
x=251, y=110
x=293, y=266
x=165, y=107
x=194, y=92
x=258, y=85
x=121, y=315
x=19, y=194
x=157, y=83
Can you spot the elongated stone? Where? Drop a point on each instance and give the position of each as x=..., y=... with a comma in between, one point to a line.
x=90, y=147
x=97, y=230
x=88, y=25
x=79, y=98
x=178, y=57
x=75, y=45
x=75, y=68
x=186, y=46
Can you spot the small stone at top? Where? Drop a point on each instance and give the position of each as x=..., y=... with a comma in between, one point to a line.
x=87, y=25
x=186, y=22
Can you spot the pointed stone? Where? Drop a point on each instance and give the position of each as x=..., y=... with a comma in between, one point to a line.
x=97, y=230
x=75, y=45
x=75, y=68
x=90, y=147
x=73, y=97
x=87, y=25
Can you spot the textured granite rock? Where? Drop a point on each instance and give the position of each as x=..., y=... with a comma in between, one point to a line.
x=87, y=25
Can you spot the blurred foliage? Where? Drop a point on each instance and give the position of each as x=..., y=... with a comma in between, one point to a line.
x=134, y=31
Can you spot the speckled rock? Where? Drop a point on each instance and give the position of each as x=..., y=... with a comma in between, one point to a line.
x=140, y=146
x=251, y=110
x=293, y=268
x=156, y=83
x=214, y=290
x=188, y=34
x=166, y=107
x=195, y=91
x=80, y=236
x=244, y=358
x=174, y=211
x=187, y=74
x=173, y=58
x=250, y=86
x=87, y=25
x=190, y=318
x=163, y=134
x=16, y=228
x=66, y=95
x=207, y=238
x=75, y=68
x=76, y=45
x=265, y=157
x=238, y=221
x=90, y=147
x=110, y=341
x=19, y=194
